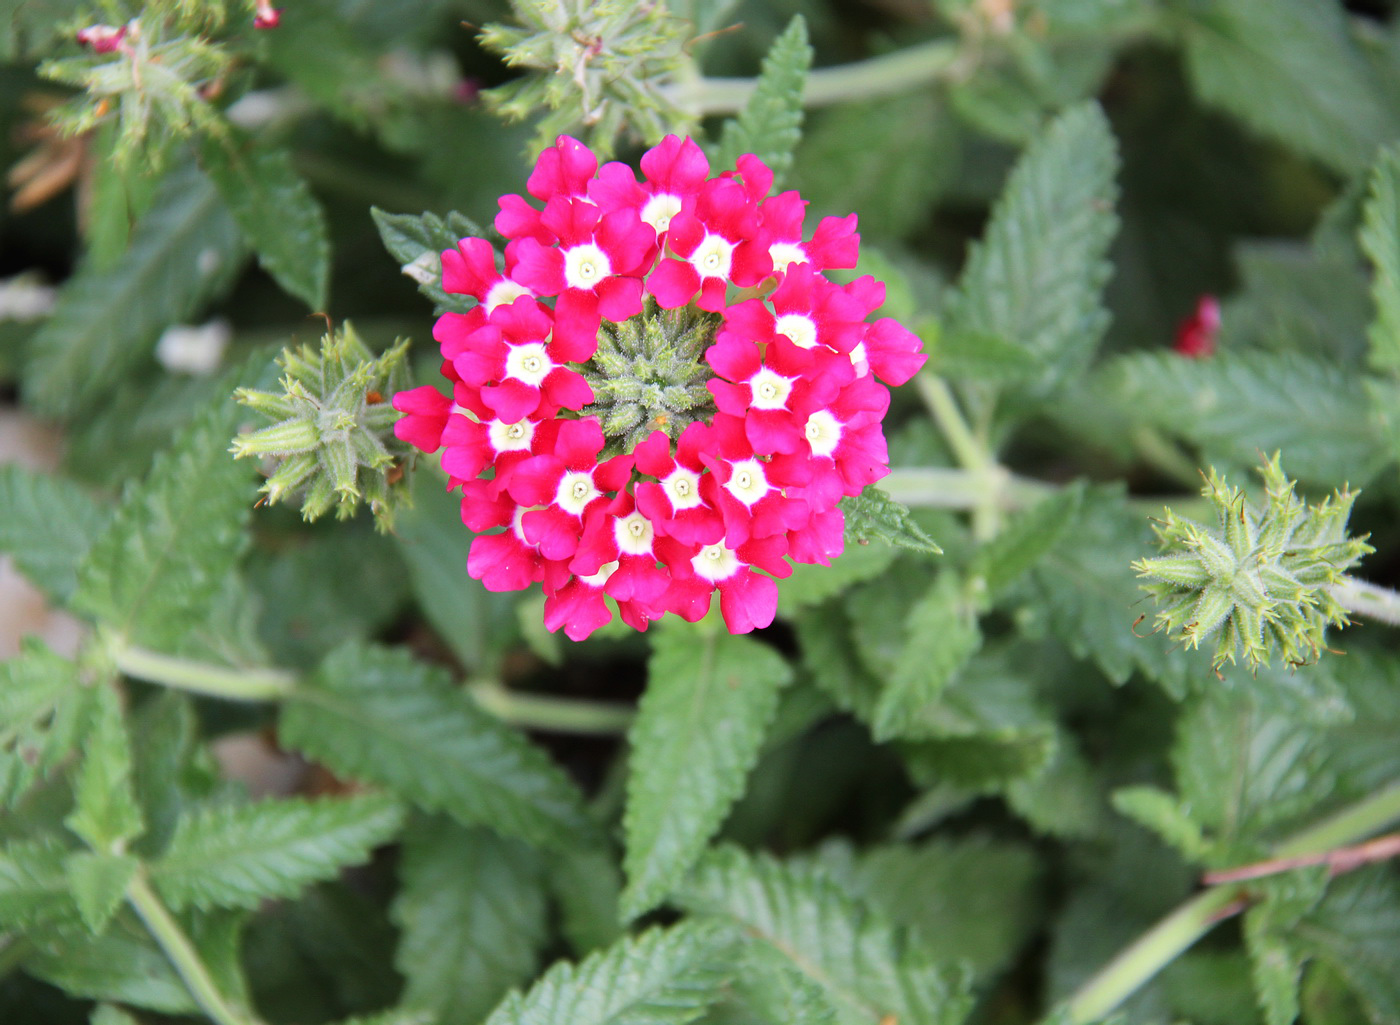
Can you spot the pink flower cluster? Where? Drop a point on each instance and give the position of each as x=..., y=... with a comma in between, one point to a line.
x=718, y=498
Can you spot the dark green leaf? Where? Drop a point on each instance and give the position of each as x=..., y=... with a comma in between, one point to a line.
x=379, y=715
x=1036, y=276
x=49, y=525
x=1381, y=239
x=44, y=709
x=699, y=728
x=979, y=357
x=810, y=584
x=586, y=882
x=472, y=918
x=123, y=965
x=875, y=516
x=184, y=250
x=34, y=886
x=1353, y=930
x=770, y=124
x=1166, y=816
x=105, y=813
x=417, y=243
x=276, y=212
x=1029, y=535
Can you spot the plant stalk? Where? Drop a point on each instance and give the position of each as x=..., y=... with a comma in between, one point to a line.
x=989, y=478
x=1370, y=600
x=555, y=715
x=204, y=678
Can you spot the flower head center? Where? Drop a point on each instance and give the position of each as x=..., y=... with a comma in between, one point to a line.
x=514, y=437
x=799, y=328
x=585, y=265
x=770, y=389
x=682, y=488
x=715, y=562
x=823, y=432
x=659, y=210
x=529, y=363
x=576, y=491
x=713, y=257
x=748, y=483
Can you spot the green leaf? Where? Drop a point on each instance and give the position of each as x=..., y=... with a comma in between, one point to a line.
x=698, y=731
x=1291, y=70
x=1276, y=968
x=49, y=525
x=942, y=635
x=155, y=573
x=472, y=918
x=276, y=212
x=1380, y=237
x=586, y=883
x=867, y=970
x=978, y=357
x=875, y=516
x=1162, y=813
x=1025, y=540
x=108, y=1014
x=28, y=28
x=121, y=194
x=44, y=709
x=99, y=882
x=1353, y=931
x=379, y=715
x=239, y=855
x=663, y=977
x=418, y=241
x=185, y=250
x=34, y=888
x=1036, y=276
x=810, y=584
x=1236, y=405
x=770, y=124
x=170, y=775
x=105, y=813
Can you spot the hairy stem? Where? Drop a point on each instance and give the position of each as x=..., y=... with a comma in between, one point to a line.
x=183, y=955
x=204, y=678
x=989, y=478
x=1378, y=603
x=557, y=715
x=1170, y=937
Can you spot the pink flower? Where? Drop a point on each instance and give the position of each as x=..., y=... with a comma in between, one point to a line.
x=1196, y=335
x=103, y=38
x=267, y=16
x=659, y=395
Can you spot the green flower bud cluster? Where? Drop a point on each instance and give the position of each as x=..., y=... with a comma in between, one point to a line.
x=333, y=443
x=602, y=67
x=649, y=374
x=1261, y=579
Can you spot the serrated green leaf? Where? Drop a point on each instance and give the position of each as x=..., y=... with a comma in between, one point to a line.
x=1353, y=930
x=942, y=635
x=154, y=574
x=770, y=124
x=1162, y=813
x=977, y=357
x=1380, y=237
x=49, y=525
x=875, y=516
x=171, y=773
x=810, y=585
x=698, y=731
x=1236, y=405
x=105, y=813
x=417, y=241
x=1289, y=69
x=98, y=882
x=121, y=194
x=34, y=886
x=218, y=936
x=123, y=965
x=239, y=855
x=276, y=212
x=185, y=249
x=586, y=883
x=867, y=970
x=472, y=918
x=1276, y=962
x=663, y=977
x=1025, y=539
x=379, y=715
x=44, y=709
x=1036, y=276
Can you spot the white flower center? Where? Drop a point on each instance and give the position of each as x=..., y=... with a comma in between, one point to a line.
x=715, y=563
x=514, y=437
x=858, y=358
x=660, y=209
x=601, y=577
x=529, y=363
x=770, y=389
x=503, y=293
x=713, y=257
x=799, y=329
x=682, y=487
x=785, y=253
x=576, y=490
x=823, y=432
x=633, y=534
x=516, y=526
x=585, y=266
x=747, y=483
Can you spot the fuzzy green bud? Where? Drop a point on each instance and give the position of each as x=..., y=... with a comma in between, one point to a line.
x=333, y=445
x=1260, y=580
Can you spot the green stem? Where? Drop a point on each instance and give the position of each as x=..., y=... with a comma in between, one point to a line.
x=182, y=954
x=885, y=75
x=1378, y=603
x=1166, y=940
x=989, y=478
x=939, y=487
x=203, y=678
x=557, y=715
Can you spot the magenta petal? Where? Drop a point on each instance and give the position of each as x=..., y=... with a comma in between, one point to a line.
x=748, y=601
x=567, y=389
x=674, y=283
x=540, y=268
x=619, y=298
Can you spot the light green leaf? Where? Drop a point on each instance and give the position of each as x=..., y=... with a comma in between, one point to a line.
x=99, y=882
x=472, y=918
x=1025, y=539
x=1236, y=405
x=276, y=212
x=1289, y=69
x=1036, y=276
x=108, y=1014
x=1162, y=813
x=44, y=708
x=867, y=970
x=34, y=886
x=1276, y=968
x=810, y=584
x=48, y=526
x=155, y=573
x=770, y=124
x=875, y=516
x=171, y=773
x=185, y=249
x=379, y=715
x=239, y=855
x=417, y=242
x=105, y=813
x=698, y=731
x=663, y=977
x=1380, y=237
x=123, y=965
x=978, y=357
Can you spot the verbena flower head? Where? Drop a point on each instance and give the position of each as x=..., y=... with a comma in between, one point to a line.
x=659, y=394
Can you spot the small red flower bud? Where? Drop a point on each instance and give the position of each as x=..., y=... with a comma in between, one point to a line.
x=267, y=16
x=102, y=38
x=1196, y=335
